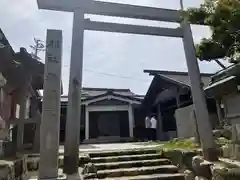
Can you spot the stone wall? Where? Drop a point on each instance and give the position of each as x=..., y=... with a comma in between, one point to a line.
x=195, y=167
x=13, y=168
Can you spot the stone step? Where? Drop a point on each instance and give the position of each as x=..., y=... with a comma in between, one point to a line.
x=33, y=161
x=169, y=169
x=150, y=177
x=33, y=175
x=126, y=158
x=129, y=164
x=122, y=153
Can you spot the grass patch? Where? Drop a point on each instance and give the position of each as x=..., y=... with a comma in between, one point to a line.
x=181, y=144
x=177, y=143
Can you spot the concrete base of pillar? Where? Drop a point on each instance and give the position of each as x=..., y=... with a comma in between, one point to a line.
x=74, y=177
x=210, y=154
x=33, y=175
x=57, y=178
x=70, y=164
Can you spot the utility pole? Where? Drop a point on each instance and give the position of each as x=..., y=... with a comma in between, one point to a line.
x=37, y=47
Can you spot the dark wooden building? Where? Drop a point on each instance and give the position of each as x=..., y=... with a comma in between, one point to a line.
x=20, y=96
x=106, y=114
x=168, y=92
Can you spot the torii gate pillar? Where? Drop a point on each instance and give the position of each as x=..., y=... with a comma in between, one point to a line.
x=199, y=101
x=72, y=138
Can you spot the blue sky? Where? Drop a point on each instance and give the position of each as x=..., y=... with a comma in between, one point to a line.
x=111, y=60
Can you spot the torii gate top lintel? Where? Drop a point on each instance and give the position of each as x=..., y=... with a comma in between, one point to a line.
x=112, y=9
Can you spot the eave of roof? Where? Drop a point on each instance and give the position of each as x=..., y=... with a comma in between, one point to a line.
x=157, y=87
x=105, y=89
x=233, y=70
x=21, y=60
x=4, y=41
x=84, y=99
x=12, y=70
x=222, y=87
x=163, y=72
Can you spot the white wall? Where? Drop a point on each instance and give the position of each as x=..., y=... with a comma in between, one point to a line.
x=232, y=110
x=185, y=122
x=232, y=107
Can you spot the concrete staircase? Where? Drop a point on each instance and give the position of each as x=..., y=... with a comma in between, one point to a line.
x=133, y=165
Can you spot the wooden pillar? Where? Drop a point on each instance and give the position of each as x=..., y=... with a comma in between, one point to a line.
x=50, y=123
x=159, y=123
x=36, y=146
x=203, y=121
x=178, y=98
x=86, y=123
x=36, y=117
x=71, y=147
x=219, y=112
x=22, y=115
x=130, y=120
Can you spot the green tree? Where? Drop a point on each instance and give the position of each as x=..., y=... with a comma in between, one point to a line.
x=223, y=18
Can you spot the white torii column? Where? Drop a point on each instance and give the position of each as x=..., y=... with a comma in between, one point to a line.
x=203, y=121
x=72, y=138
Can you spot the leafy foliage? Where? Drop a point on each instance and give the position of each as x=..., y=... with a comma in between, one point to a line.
x=223, y=17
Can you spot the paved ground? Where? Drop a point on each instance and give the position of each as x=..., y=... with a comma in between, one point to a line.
x=33, y=176
x=110, y=147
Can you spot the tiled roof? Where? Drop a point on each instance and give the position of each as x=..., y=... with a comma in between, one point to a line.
x=96, y=92
x=179, y=77
x=89, y=92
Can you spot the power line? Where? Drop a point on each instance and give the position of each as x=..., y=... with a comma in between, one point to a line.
x=115, y=75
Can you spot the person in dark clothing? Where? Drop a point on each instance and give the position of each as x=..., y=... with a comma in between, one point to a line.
x=147, y=128
x=153, y=128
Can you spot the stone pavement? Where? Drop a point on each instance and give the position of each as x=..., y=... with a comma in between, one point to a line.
x=111, y=147
x=34, y=176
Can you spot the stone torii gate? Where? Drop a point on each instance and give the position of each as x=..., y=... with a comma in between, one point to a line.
x=79, y=8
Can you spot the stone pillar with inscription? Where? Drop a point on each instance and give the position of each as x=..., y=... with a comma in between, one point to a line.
x=50, y=123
